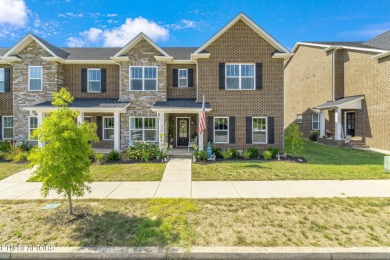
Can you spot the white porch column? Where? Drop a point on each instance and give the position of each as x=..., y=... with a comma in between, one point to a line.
x=80, y=118
x=337, y=124
x=200, y=136
x=161, y=130
x=117, y=127
x=40, y=119
x=322, y=123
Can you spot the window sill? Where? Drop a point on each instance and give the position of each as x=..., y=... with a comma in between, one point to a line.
x=35, y=90
x=239, y=89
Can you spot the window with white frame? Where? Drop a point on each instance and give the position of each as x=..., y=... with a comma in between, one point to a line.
x=315, y=121
x=259, y=130
x=221, y=130
x=35, y=78
x=32, y=125
x=94, y=80
x=108, y=128
x=299, y=119
x=183, y=78
x=240, y=76
x=8, y=127
x=143, y=129
x=143, y=78
x=2, y=80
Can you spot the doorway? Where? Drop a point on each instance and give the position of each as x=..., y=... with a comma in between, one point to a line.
x=182, y=131
x=350, y=123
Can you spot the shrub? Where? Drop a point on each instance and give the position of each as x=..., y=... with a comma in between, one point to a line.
x=293, y=142
x=25, y=146
x=247, y=154
x=234, y=152
x=140, y=150
x=99, y=158
x=161, y=155
x=145, y=156
x=5, y=146
x=314, y=135
x=273, y=150
x=227, y=154
x=20, y=157
x=267, y=155
x=201, y=155
x=217, y=151
x=113, y=156
x=253, y=151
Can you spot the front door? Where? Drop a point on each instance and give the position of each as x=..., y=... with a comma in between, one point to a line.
x=182, y=131
x=351, y=124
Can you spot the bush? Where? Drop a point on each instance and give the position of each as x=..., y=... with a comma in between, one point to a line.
x=201, y=155
x=144, y=151
x=273, y=150
x=247, y=154
x=161, y=155
x=267, y=155
x=217, y=151
x=253, y=151
x=113, y=156
x=5, y=146
x=99, y=158
x=314, y=136
x=20, y=157
x=145, y=156
x=234, y=152
x=227, y=154
x=293, y=142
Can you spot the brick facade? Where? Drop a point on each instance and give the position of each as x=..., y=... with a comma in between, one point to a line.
x=176, y=92
x=240, y=44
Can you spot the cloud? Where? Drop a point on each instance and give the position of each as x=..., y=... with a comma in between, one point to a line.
x=369, y=30
x=187, y=24
x=120, y=36
x=13, y=12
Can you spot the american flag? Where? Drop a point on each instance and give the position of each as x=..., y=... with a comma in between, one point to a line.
x=202, y=119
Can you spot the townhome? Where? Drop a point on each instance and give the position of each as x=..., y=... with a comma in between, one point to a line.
x=144, y=92
x=342, y=90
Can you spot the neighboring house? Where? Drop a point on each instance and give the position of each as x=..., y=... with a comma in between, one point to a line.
x=341, y=87
x=143, y=92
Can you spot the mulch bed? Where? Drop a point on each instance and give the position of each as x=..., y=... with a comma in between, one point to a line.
x=259, y=159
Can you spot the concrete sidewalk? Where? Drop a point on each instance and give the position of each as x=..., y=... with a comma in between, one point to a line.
x=209, y=190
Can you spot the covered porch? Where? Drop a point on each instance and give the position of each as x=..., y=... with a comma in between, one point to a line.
x=178, y=122
x=342, y=119
x=105, y=113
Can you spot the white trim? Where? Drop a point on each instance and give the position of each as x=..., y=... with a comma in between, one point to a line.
x=196, y=56
x=103, y=128
x=88, y=80
x=339, y=46
x=2, y=127
x=266, y=129
x=80, y=109
x=179, y=110
x=381, y=55
x=282, y=55
x=29, y=128
x=228, y=132
x=143, y=78
x=343, y=105
x=319, y=121
x=178, y=78
x=29, y=78
x=134, y=41
x=345, y=121
x=143, y=129
x=26, y=40
x=252, y=25
x=189, y=129
x=2, y=71
x=240, y=76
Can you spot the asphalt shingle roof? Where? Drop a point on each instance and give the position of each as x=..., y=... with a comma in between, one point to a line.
x=57, y=51
x=3, y=51
x=90, y=103
x=90, y=53
x=339, y=102
x=180, y=53
x=181, y=103
x=380, y=42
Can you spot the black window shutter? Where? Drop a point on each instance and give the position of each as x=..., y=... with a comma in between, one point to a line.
x=175, y=78
x=103, y=72
x=222, y=76
x=84, y=80
x=232, y=130
x=248, y=124
x=190, y=77
x=259, y=76
x=7, y=80
x=271, y=130
x=1, y=129
x=210, y=128
x=99, y=124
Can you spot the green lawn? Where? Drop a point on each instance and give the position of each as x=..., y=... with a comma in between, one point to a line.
x=336, y=222
x=128, y=172
x=324, y=163
x=8, y=168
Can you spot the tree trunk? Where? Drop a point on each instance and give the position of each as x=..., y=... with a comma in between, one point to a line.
x=70, y=203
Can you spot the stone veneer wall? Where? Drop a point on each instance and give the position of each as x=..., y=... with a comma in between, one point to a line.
x=240, y=44
x=22, y=97
x=142, y=54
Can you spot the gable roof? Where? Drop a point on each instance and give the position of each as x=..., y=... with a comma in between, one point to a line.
x=381, y=41
x=137, y=39
x=28, y=38
x=251, y=24
x=180, y=53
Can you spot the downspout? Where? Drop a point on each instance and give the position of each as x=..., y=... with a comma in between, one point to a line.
x=197, y=81
x=333, y=73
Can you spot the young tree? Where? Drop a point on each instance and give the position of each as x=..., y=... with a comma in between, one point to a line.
x=63, y=163
x=293, y=142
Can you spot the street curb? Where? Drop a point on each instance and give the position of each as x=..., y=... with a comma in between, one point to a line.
x=291, y=253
